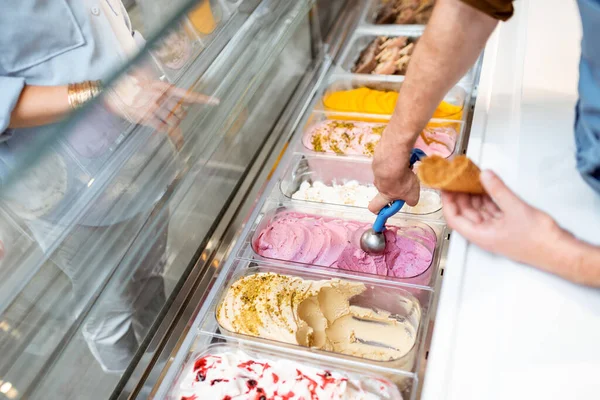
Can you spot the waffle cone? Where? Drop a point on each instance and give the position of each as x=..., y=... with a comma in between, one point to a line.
x=458, y=175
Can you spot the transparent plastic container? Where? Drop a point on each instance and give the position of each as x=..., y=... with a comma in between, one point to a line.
x=363, y=38
x=408, y=305
x=181, y=47
x=204, y=19
x=359, y=43
x=402, y=384
x=457, y=96
x=447, y=148
x=310, y=169
x=428, y=236
x=370, y=17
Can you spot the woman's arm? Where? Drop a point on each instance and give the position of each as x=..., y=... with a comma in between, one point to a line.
x=40, y=105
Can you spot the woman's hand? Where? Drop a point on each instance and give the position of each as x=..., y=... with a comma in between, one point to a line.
x=153, y=103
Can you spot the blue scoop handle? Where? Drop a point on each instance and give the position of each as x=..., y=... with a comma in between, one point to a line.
x=391, y=209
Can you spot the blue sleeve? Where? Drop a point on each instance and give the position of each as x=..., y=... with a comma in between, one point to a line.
x=10, y=91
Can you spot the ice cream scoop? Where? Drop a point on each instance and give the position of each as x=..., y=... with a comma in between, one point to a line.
x=373, y=240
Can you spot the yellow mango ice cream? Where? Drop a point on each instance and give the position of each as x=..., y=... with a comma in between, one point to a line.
x=371, y=101
x=202, y=18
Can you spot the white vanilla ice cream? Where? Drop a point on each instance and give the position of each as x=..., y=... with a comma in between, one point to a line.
x=352, y=193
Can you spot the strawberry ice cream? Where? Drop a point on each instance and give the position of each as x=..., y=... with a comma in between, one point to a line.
x=329, y=242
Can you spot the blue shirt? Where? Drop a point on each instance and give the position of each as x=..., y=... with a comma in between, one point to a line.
x=587, y=113
x=56, y=42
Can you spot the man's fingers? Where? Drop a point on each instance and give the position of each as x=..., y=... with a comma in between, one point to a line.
x=378, y=203
x=453, y=213
x=456, y=220
x=491, y=207
x=414, y=193
x=412, y=198
x=463, y=200
x=450, y=207
x=477, y=202
x=465, y=227
x=498, y=191
x=479, y=205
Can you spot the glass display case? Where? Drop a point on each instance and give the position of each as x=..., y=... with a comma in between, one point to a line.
x=124, y=224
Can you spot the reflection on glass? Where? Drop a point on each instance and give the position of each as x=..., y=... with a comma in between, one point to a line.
x=101, y=228
x=70, y=222
x=202, y=18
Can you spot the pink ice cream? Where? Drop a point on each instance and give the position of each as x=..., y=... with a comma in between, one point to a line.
x=329, y=242
x=360, y=138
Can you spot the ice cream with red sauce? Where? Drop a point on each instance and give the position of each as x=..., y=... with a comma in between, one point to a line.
x=234, y=375
x=332, y=242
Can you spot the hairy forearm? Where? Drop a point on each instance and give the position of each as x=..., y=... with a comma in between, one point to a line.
x=450, y=45
x=572, y=259
x=40, y=105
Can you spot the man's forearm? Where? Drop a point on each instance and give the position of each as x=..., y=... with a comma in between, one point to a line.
x=572, y=259
x=450, y=45
x=40, y=105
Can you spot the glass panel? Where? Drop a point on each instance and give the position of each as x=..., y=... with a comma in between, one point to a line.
x=102, y=215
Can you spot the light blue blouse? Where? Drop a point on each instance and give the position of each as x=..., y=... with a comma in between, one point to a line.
x=56, y=42
x=53, y=42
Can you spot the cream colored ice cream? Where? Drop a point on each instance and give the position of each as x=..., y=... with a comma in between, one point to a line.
x=352, y=193
x=430, y=201
x=314, y=314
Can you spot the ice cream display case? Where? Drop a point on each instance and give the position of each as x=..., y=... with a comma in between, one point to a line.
x=272, y=288
x=218, y=258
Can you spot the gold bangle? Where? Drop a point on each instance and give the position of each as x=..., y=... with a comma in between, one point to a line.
x=80, y=93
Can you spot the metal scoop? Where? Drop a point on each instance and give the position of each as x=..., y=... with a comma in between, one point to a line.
x=373, y=240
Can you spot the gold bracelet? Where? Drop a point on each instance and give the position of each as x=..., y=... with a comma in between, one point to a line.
x=80, y=93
